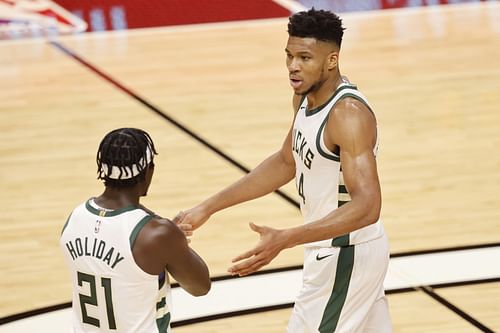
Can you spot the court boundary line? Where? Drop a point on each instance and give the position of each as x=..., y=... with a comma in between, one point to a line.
x=395, y=255
x=31, y=313
x=222, y=154
x=34, y=312
x=426, y=289
x=444, y=249
x=444, y=285
x=163, y=115
x=214, y=149
x=473, y=321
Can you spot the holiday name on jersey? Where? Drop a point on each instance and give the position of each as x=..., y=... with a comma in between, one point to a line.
x=94, y=248
x=299, y=144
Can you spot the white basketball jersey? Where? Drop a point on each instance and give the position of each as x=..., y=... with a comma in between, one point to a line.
x=318, y=175
x=111, y=293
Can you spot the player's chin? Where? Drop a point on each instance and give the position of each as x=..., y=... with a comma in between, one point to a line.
x=300, y=91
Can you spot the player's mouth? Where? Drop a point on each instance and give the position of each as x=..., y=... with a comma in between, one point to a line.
x=295, y=82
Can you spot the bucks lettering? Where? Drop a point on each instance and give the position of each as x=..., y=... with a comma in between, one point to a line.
x=94, y=248
x=299, y=145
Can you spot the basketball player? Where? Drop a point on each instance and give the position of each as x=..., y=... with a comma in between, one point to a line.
x=330, y=150
x=118, y=252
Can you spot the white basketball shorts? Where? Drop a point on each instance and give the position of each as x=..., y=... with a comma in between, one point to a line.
x=342, y=290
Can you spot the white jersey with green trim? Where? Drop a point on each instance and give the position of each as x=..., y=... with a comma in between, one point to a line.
x=111, y=293
x=318, y=177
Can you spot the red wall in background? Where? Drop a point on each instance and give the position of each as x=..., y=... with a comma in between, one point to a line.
x=125, y=14
x=116, y=14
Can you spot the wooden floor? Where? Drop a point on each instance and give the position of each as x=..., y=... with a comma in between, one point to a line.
x=432, y=76
x=412, y=312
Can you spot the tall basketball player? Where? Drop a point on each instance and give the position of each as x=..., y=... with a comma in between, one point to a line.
x=119, y=253
x=330, y=150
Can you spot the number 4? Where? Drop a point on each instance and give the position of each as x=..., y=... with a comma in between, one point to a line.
x=300, y=188
x=92, y=300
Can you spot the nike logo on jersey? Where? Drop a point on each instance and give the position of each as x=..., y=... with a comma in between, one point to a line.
x=318, y=258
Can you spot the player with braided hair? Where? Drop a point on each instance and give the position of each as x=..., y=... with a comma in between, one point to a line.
x=119, y=253
x=129, y=151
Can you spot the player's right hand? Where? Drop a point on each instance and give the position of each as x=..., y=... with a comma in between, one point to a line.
x=185, y=228
x=195, y=217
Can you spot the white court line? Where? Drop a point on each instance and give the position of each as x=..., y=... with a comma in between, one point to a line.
x=291, y=5
x=264, y=290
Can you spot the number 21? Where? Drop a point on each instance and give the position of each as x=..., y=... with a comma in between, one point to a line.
x=92, y=300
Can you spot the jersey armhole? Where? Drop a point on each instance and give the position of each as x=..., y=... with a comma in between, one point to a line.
x=320, y=141
x=138, y=227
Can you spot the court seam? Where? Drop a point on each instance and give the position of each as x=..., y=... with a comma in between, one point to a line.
x=430, y=292
x=232, y=161
x=31, y=313
x=426, y=289
x=163, y=115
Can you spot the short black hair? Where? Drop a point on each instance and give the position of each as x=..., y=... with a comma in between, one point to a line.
x=319, y=24
x=125, y=151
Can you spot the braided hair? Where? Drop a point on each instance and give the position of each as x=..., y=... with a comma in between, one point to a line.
x=123, y=156
x=319, y=24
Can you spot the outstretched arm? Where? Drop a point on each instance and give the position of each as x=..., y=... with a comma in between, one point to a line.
x=274, y=172
x=352, y=128
x=161, y=244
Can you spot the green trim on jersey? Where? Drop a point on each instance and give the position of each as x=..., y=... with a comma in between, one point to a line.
x=319, y=108
x=356, y=97
x=138, y=228
x=302, y=98
x=161, y=304
x=331, y=155
x=163, y=323
x=66, y=224
x=107, y=213
x=336, y=302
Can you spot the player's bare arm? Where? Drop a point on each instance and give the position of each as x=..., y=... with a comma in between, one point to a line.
x=162, y=244
x=274, y=172
x=351, y=129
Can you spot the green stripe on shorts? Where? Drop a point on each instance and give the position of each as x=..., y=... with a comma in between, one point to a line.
x=339, y=293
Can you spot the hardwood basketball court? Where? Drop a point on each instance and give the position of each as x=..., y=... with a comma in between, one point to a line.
x=216, y=100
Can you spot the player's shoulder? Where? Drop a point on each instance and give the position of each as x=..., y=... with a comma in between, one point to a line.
x=350, y=108
x=350, y=104
x=160, y=234
x=160, y=227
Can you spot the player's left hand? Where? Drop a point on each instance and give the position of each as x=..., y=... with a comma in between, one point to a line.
x=266, y=250
x=185, y=228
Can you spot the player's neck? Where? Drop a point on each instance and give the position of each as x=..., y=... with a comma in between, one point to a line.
x=113, y=198
x=322, y=95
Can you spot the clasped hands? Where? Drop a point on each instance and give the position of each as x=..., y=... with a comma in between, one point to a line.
x=267, y=248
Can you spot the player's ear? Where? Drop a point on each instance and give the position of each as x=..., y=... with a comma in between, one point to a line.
x=333, y=60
